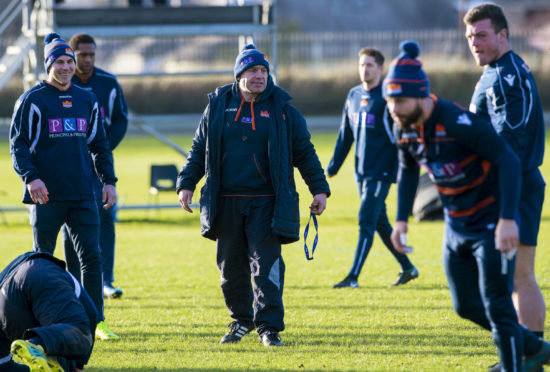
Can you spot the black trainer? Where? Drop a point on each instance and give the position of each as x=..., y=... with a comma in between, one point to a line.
x=271, y=338
x=348, y=282
x=236, y=332
x=533, y=363
x=406, y=276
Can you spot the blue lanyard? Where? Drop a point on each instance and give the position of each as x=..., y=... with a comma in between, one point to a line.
x=306, y=230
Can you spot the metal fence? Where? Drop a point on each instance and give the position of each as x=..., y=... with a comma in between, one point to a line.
x=443, y=49
x=326, y=52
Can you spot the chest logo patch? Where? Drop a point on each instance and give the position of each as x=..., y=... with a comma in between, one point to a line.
x=510, y=79
x=367, y=120
x=440, y=130
x=67, y=104
x=449, y=172
x=264, y=114
x=67, y=125
x=464, y=120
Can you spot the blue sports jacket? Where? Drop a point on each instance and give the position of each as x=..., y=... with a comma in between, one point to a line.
x=476, y=173
x=365, y=120
x=56, y=136
x=113, y=110
x=39, y=298
x=506, y=94
x=289, y=146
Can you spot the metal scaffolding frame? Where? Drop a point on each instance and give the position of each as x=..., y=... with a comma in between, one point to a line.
x=242, y=21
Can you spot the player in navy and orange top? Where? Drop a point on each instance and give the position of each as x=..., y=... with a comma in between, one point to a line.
x=506, y=94
x=477, y=176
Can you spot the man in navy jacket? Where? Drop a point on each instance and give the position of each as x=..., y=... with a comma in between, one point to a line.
x=506, y=95
x=477, y=177
x=56, y=137
x=247, y=144
x=365, y=121
x=113, y=112
x=45, y=315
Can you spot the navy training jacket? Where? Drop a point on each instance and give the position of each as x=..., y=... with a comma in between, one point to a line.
x=39, y=298
x=289, y=146
x=113, y=109
x=474, y=171
x=506, y=94
x=56, y=136
x=366, y=122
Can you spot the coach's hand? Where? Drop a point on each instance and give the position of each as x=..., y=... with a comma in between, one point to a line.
x=506, y=235
x=38, y=191
x=319, y=204
x=109, y=196
x=399, y=228
x=185, y=197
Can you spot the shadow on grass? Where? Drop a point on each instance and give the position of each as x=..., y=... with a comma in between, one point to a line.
x=410, y=287
x=161, y=220
x=354, y=342
x=246, y=348
x=325, y=306
x=198, y=369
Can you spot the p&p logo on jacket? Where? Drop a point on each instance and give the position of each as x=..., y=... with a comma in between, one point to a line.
x=67, y=127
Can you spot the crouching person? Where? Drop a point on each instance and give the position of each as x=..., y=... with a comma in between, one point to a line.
x=47, y=320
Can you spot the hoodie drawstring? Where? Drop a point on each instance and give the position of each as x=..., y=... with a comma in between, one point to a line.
x=239, y=110
x=251, y=110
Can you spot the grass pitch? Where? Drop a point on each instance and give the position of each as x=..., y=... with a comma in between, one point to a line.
x=172, y=314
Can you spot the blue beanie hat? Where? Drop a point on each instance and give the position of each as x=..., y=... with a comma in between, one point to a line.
x=55, y=48
x=248, y=57
x=405, y=77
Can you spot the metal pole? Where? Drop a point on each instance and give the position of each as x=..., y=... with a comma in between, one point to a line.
x=153, y=132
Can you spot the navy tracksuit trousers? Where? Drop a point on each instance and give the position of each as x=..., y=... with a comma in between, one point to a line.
x=247, y=249
x=106, y=245
x=82, y=219
x=480, y=283
x=373, y=217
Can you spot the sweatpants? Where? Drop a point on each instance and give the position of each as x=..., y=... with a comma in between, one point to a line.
x=250, y=262
x=106, y=245
x=373, y=217
x=479, y=280
x=82, y=219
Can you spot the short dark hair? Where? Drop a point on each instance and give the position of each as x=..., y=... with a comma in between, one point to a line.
x=487, y=11
x=374, y=53
x=78, y=39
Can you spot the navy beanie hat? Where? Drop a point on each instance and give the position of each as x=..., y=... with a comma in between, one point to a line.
x=405, y=77
x=55, y=48
x=248, y=57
